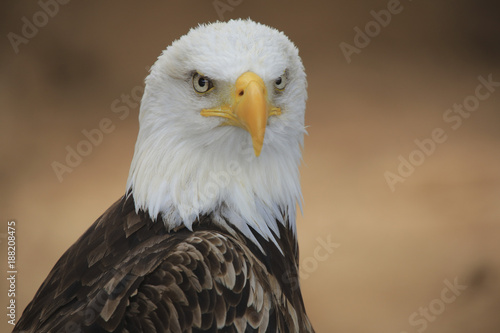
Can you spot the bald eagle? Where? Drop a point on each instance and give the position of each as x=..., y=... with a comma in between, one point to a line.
x=204, y=238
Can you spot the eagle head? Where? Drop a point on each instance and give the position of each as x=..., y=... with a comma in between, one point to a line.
x=221, y=130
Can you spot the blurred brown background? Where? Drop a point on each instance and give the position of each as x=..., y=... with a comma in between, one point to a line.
x=394, y=250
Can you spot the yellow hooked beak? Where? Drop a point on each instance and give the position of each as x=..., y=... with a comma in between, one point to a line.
x=249, y=108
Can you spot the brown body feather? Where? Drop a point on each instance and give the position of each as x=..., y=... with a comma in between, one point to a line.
x=128, y=274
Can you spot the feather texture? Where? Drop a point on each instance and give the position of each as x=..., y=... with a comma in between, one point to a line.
x=146, y=279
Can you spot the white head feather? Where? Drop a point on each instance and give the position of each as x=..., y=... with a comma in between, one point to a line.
x=186, y=165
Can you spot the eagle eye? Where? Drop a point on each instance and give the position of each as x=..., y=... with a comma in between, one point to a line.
x=280, y=82
x=201, y=84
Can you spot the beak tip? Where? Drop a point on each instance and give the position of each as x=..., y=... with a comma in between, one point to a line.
x=257, y=145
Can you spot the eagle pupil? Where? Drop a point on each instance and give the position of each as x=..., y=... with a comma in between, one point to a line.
x=202, y=81
x=278, y=81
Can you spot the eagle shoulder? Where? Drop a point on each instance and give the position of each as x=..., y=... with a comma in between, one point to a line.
x=128, y=274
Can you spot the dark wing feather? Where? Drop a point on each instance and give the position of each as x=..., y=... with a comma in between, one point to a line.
x=128, y=274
